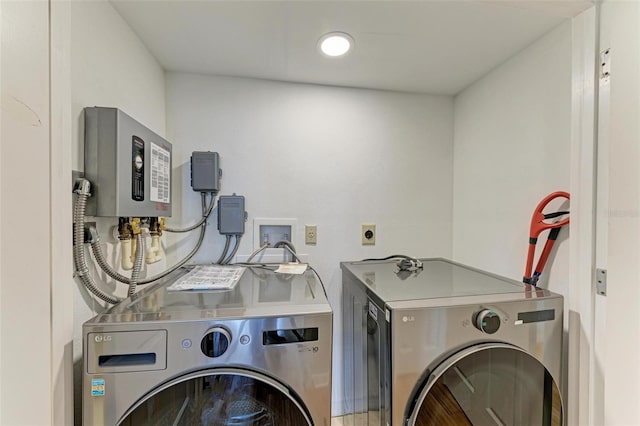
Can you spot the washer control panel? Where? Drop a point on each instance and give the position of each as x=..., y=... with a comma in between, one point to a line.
x=487, y=321
x=215, y=342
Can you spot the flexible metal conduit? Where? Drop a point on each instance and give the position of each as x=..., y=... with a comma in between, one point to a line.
x=82, y=271
x=234, y=251
x=205, y=216
x=224, y=250
x=102, y=262
x=137, y=265
x=256, y=252
x=288, y=245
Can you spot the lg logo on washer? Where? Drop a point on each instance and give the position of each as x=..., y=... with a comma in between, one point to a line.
x=102, y=338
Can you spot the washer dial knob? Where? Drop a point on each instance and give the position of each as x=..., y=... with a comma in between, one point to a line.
x=487, y=321
x=215, y=342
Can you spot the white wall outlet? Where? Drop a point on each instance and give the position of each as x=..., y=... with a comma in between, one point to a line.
x=368, y=235
x=310, y=234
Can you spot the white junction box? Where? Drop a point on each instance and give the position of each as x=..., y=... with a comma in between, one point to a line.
x=272, y=230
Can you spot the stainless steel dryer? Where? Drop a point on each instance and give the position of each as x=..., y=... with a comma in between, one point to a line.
x=449, y=345
x=259, y=354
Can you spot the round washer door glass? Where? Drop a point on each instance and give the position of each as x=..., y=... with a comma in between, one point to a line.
x=219, y=398
x=489, y=384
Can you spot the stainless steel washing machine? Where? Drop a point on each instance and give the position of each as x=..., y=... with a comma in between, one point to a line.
x=449, y=345
x=259, y=354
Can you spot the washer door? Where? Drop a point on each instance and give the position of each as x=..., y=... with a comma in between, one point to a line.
x=488, y=384
x=220, y=397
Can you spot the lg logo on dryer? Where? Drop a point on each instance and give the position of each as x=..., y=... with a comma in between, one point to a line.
x=99, y=338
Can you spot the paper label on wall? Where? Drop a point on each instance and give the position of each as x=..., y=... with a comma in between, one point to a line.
x=97, y=387
x=160, y=174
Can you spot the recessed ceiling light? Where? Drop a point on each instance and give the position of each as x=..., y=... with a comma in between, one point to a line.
x=335, y=44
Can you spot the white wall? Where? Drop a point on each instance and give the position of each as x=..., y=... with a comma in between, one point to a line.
x=62, y=289
x=620, y=31
x=328, y=156
x=511, y=149
x=109, y=67
x=25, y=215
x=585, y=387
x=512, y=143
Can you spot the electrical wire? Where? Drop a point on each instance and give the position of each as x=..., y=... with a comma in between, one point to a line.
x=293, y=254
x=256, y=252
x=234, y=251
x=290, y=247
x=205, y=215
x=224, y=251
x=406, y=263
x=393, y=256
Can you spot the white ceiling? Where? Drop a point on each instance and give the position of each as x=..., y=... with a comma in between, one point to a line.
x=437, y=47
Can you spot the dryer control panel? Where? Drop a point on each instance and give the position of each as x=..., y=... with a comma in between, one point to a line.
x=487, y=321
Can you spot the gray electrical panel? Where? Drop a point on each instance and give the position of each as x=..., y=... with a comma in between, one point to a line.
x=128, y=165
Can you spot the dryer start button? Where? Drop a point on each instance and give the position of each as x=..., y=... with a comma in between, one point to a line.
x=487, y=321
x=215, y=342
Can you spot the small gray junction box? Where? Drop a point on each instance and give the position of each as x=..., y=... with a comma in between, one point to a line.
x=231, y=215
x=205, y=171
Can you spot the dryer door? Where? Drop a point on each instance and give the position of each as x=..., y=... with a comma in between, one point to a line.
x=488, y=384
x=220, y=397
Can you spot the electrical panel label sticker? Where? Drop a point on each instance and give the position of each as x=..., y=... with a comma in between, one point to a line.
x=160, y=174
x=97, y=387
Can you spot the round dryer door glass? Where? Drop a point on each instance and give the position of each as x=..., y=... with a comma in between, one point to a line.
x=221, y=397
x=489, y=384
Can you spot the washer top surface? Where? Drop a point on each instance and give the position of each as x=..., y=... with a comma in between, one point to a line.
x=259, y=293
x=439, y=279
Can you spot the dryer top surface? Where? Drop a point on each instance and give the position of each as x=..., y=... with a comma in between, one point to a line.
x=259, y=293
x=439, y=280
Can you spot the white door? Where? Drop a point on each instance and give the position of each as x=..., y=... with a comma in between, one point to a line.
x=620, y=117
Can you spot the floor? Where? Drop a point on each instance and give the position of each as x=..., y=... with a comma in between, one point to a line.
x=357, y=420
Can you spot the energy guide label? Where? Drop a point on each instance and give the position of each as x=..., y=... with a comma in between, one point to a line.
x=97, y=387
x=160, y=174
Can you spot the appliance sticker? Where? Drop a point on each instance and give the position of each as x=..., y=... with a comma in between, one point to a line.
x=373, y=311
x=160, y=174
x=97, y=387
